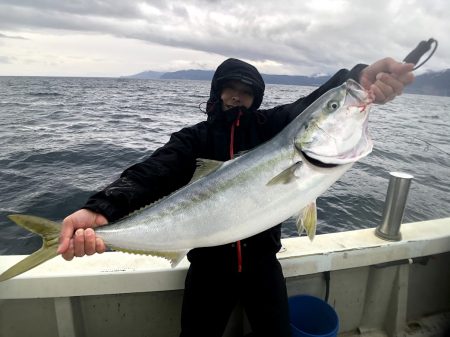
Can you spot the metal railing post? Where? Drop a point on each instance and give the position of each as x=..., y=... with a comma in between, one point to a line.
x=394, y=206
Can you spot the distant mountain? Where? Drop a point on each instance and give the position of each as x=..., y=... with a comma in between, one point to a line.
x=206, y=75
x=201, y=75
x=432, y=83
x=147, y=75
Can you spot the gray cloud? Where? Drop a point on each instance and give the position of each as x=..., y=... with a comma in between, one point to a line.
x=4, y=36
x=318, y=35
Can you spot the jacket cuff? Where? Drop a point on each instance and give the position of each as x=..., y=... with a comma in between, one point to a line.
x=104, y=208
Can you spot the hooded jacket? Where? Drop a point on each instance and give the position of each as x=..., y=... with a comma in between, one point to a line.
x=222, y=135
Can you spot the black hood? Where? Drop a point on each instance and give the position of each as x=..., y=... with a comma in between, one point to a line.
x=234, y=69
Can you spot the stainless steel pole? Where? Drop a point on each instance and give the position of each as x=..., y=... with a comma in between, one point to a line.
x=394, y=206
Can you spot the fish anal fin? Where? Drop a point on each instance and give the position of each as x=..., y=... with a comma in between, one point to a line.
x=307, y=220
x=48, y=230
x=299, y=225
x=174, y=257
x=287, y=176
x=205, y=167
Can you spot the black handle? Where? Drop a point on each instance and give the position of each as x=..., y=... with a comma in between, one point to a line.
x=419, y=51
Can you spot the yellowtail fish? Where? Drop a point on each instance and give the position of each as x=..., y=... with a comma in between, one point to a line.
x=233, y=200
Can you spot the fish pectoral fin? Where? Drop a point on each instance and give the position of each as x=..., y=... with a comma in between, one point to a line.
x=48, y=230
x=174, y=257
x=205, y=167
x=307, y=220
x=287, y=176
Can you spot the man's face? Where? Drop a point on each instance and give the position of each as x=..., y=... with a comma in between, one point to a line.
x=235, y=93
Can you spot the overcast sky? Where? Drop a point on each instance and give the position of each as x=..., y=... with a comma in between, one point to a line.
x=123, y=37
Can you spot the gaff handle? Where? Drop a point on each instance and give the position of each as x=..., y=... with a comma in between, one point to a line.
x=422, y=48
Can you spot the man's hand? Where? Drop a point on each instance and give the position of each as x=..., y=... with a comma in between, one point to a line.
x=77, y=238
x=386, y=78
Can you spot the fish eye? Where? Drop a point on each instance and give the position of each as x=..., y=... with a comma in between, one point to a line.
x=333, y=105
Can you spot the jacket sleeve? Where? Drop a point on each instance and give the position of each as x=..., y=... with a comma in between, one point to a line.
x=166, y=170
x=277, y=118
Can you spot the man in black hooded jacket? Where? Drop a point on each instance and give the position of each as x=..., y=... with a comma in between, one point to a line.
x=246, y=271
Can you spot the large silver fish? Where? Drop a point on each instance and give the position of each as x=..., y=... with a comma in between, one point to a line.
x=230, y=201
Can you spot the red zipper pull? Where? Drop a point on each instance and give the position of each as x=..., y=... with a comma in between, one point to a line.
x=239, y=256
x=238, y=120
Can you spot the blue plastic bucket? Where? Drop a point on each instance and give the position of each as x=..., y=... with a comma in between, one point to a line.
x=312, y=317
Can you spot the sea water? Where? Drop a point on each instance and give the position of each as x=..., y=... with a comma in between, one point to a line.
x=62, y=139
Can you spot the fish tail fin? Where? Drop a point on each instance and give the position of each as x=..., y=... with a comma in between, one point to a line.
x=48, y=230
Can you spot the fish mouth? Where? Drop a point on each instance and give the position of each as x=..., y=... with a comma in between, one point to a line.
x=363, y=148
x=348, y=157
x=355, y=90
x=316, y=162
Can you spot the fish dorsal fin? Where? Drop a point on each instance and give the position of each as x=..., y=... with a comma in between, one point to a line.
x=307, y=220
x=287, y=176
x=205, y=167
x=174, y=257
x=241, y=153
